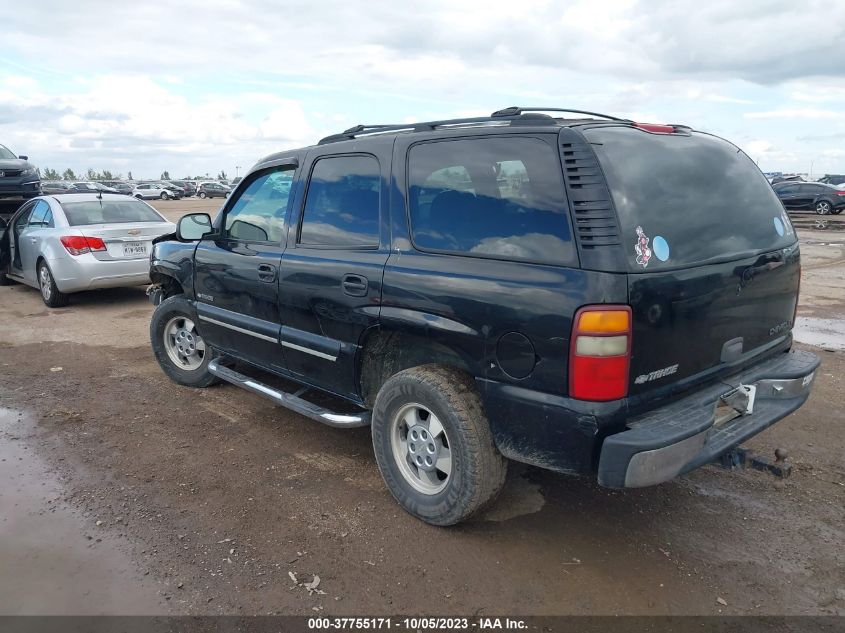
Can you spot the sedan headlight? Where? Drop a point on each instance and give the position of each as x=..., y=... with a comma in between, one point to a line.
x=29, y=172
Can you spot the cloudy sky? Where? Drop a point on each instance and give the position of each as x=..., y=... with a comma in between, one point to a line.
x=211, y=85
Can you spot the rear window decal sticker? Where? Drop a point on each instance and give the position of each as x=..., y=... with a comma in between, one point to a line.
x=641, y=248
x=660, y=247
x=779, y=226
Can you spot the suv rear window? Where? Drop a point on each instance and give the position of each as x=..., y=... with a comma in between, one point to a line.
x=491, y=197
x=695, y=198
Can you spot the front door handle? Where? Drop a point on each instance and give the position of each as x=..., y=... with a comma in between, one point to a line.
x=355, y=285
x=34, y=240
x=267, y=273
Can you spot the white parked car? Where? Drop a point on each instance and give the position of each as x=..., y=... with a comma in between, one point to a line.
x=151, y=190
x=67, y=243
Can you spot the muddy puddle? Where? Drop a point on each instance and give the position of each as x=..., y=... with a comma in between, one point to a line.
x=55, y=561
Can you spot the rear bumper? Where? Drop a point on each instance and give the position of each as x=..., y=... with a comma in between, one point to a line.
x=85, y=272
x=681, y=436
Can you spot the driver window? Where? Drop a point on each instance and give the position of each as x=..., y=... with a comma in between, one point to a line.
x=258, y=214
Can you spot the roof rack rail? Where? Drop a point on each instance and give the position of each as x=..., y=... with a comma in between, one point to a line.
x=517, y=110
x=513, y=114
x=363, y=130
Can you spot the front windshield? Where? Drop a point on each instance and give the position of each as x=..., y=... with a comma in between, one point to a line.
x=5, y=153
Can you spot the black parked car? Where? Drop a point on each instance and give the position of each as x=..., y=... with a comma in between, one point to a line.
x=188, y=188
x=815, y=196
x=508, y=287
x=18, y=177
x=119, y=186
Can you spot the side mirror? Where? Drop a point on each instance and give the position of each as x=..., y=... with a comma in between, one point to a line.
x=193, y=226
x=23, y=157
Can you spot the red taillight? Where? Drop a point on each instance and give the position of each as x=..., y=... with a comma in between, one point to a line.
x=79, y=244
x=600, y=353
x=655, y=128
x=840, y=193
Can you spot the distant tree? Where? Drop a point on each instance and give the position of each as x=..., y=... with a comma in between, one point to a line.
x=107, y=175
x=129, y=177
x=68, y=174
x=165, y=175
x=51, y=174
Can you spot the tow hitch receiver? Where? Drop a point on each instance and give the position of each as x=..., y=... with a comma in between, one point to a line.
x=745, y=458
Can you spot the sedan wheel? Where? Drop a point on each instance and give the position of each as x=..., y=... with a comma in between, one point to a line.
x=50, y=293
x=202, y=194
x=164, y=195
x=823, y=207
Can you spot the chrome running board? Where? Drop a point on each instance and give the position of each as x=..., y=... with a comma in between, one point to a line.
x=289, y=400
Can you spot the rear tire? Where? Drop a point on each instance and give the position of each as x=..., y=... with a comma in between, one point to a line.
x=178, y=347
x=202, y=194
x=50, y=293
x=823, y=207
x=434, y=446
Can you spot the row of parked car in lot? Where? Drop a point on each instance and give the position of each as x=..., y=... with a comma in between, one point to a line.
x=145, y=190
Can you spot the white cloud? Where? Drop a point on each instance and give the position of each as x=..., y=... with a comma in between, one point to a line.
x=225, y=82
x=797, y=113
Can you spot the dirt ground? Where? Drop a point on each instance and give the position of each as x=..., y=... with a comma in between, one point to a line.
x=125, y=493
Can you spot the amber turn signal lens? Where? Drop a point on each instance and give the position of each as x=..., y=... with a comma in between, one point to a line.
x=605, y=322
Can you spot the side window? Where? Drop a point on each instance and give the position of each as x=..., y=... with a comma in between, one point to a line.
x=342, y=204
x=42, y=216
x=789, y=189
x=491, y=197
x=258, y=213
x=23, y=218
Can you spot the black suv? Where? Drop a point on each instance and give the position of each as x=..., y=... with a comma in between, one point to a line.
x=18, y=177
x=589, y=295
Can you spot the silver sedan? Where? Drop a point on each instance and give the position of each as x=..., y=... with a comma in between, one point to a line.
x=73, y=242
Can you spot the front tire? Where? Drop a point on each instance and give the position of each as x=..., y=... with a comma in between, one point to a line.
x=164, y=195
x=50, y=293
x=178, y=347
x=202, y=195
x=823, y=207
x=433, y=445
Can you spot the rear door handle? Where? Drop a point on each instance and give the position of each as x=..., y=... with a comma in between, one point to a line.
x=355, y=285
x=34, y=240
x=267, y=273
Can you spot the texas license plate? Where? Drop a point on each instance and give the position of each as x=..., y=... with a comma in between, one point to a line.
x=134, y=249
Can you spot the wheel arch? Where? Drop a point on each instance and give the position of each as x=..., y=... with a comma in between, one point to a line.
x=384, y=353
x=169, y=284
